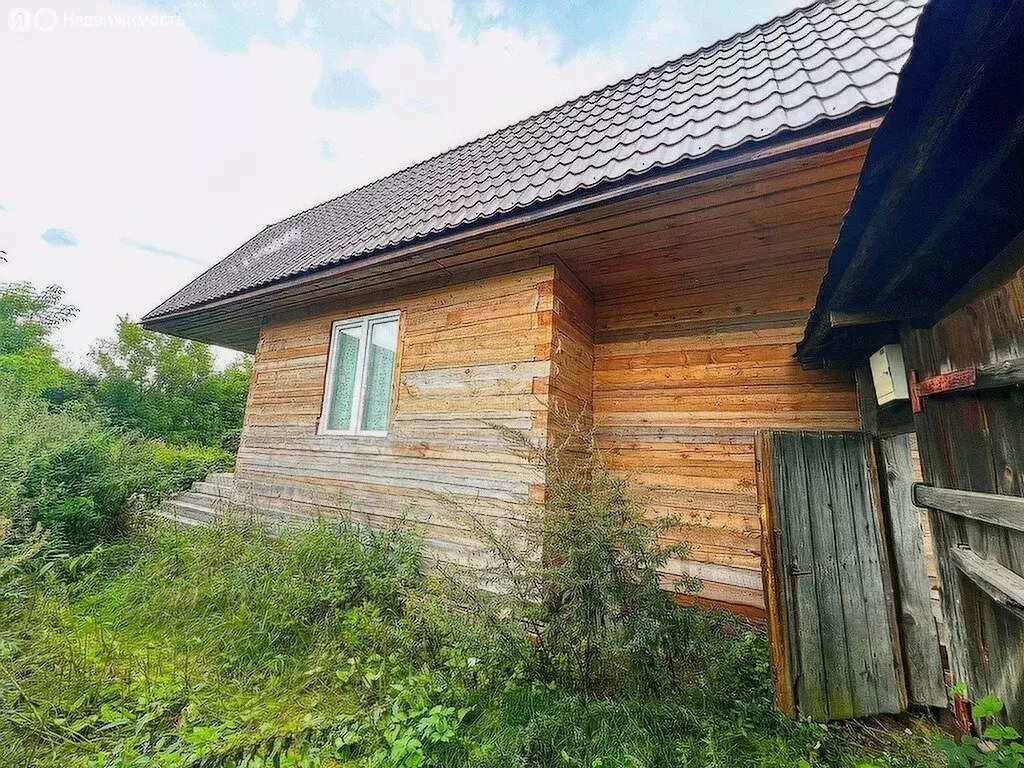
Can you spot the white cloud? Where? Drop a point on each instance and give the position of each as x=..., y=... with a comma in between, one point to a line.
x=287, y=10
x=147, y=135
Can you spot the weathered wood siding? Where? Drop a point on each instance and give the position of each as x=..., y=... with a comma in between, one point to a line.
x=973, y=441
x=835, y=643
x=694, y=346
x=469, y=356
x=673, y=319
x=572, y=360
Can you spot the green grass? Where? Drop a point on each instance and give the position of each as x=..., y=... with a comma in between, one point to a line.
x=326, y=648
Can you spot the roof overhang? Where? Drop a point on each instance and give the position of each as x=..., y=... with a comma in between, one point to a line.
x=941, y=194
x=501, y=244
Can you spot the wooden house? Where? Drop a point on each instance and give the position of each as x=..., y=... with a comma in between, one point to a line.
x=645, y=255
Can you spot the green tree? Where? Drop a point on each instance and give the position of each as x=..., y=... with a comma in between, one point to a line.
x=168, y=387
x=27, y=318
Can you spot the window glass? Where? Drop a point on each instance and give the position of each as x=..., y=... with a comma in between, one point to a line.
x=346, y=368
x=380, y=370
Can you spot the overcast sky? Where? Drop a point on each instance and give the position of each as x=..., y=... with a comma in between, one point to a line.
x=141, y=142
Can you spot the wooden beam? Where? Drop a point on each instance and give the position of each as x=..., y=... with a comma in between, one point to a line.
x=1003, y=511
x=917, y=623
x=775, y=611
x=997, y=581
x=838, y=319
x=1008, y=373
x=997, y=271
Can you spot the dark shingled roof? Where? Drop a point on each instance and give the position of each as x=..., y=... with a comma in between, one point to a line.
x=818, y=63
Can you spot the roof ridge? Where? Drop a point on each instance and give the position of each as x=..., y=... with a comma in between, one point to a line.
x=721, y=43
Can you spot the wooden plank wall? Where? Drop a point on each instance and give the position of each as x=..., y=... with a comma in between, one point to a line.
x=695, y=333
x=572, y=360
x=973, y=441
x=471, y=355
x=682, y=312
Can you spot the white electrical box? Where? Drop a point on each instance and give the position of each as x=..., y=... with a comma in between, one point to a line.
x=889, y=374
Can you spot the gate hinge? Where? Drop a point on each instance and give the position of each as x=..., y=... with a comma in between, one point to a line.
x=936, y=385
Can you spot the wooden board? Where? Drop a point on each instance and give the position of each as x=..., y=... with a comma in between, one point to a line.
x=972, y=445
x=829, y=566
x=470, y=359
x=919, y=633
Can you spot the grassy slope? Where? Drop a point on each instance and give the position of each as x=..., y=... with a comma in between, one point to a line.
x=221, y=647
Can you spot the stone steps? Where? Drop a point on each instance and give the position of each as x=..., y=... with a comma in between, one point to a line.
x=215, y=498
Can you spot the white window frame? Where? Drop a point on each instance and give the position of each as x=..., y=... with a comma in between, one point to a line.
x=367, y=323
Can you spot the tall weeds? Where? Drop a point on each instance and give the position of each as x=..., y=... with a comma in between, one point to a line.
x=585, y=571
x=326, y=648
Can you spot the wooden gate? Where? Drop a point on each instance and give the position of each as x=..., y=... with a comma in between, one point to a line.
x=830, y=593
x=970, y=425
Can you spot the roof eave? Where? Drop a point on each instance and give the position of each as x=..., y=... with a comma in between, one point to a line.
x=822, y=136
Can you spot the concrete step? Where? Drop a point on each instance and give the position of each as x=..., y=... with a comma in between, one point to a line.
x=183, y=509
x=223, y=479
x=170, y=517
x=217, y=496
x=219, y=503
x=214, y=489
x=187, y=509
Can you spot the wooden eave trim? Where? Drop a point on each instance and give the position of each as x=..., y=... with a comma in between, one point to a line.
x=806, y=144
x=940, y=118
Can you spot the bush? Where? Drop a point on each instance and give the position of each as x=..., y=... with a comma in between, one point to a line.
x=85, y=485
x=1000, y=745
x=82, y=480
x=169, y=468
x=585, y=572
x=231, y=440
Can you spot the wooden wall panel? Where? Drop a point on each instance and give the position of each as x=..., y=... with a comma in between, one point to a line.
x=972, y=441
x=673, y=323
x=572, y=360
x=694, y=339
x=470, y=357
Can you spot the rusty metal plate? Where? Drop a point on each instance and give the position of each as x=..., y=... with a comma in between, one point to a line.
x=944, y=382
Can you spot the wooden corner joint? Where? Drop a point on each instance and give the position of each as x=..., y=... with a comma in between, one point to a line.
x=964, y=378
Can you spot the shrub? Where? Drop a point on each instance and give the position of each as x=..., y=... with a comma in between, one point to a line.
x=231, y=440
x=60, y=466
x=222, y=647
x=82, y=480
x=1000, y=745
x=584, y=571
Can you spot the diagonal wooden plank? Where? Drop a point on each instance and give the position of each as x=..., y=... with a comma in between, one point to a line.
x=1005, y=587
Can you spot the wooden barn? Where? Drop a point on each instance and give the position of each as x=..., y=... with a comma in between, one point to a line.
x=646, y=256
